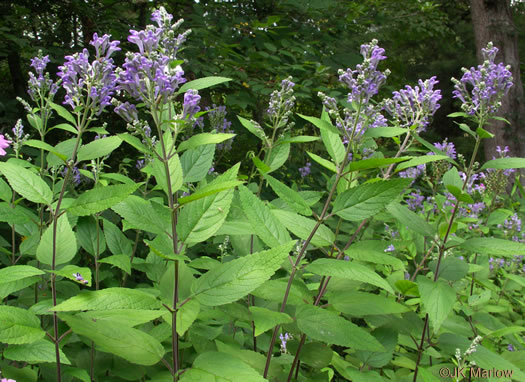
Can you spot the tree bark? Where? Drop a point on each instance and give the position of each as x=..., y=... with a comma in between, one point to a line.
x=492, y=21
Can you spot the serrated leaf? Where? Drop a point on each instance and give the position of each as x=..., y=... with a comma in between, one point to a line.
x=366, y=164
x=360, y=304
x=175, y=172
x=99, y=199
x=291, y=197
x=203, y=139
x=421, y=160
x=139, y=214
x=323, y=162
x=134, y=141
x=122, y=262
x=197, y=162
x=237, y=278
x=302, y=227
x=386, y=132
x=210, y=189
x=215, y=366
x=44, y=146
x=109, y=298
x=98, y=148
x=321, y=124
x=327, y=327
x=410, y=219
x=27, y=183
x=202, y=83
x=438, y=299
x=266, y=319
x=40, y=351
x=493, y=246
x=504, y=163
x=18, y=326
x=348, y=270
x=131, y=344
x=63, y=112
x=124, y=317
x=278, y=156
x=366, y=200
x=266, y=226
x=66, y=243
x=258, y=132
x=18, y=272
x=116, y=241
x=186, y=315
x=202, y=218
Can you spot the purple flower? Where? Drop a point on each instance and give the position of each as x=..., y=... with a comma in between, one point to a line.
x=513, y=223
x=4, y=144
x=390, y=248
x=79, y=278
x=491, y=263
x=447, y=147
x=7, y=380
x=281, y=103
x=219, y=123
x=413, y=107
x=415, y=202
x=284, y=338
x=413, y=172
x=481, y=89
x=461, y=258
x=126, y=110
x=95, y=81
x=364, y=82
x=510, y=347
x=191, y=104
x=77, y=177
x=305, y=170
x=40, y=85
x=153, y=73
x=140, y=164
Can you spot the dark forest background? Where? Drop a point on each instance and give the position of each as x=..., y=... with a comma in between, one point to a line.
x=257, y=43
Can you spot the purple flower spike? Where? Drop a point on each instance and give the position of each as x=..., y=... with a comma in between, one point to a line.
x=447, y=147
x=481, y=89
x=413, y=107
x=305, y=170
x=191, y=104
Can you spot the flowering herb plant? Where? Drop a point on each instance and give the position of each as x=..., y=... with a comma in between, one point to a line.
x=402, y=264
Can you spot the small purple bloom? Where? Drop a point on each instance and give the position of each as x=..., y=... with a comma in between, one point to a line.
x=284, y=338
x=305, y=170
x=390, y=248
x=510, y=347
x=415, y=202
x=79, y=278
x=447, y=147
x=191, y=104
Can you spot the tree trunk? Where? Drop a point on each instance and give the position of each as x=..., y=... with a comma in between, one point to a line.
x=492, y=21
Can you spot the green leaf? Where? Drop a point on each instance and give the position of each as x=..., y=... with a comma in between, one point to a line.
x=197, y=162
x=466, y=129
x=333, y=145
x=266, y=226
x=99, y=199
x=26, y=183
x=297, y=139
x=5, y=191
x=98, y=148
x=202, y=218
x=235, y=279
x=361, y=253
x=117, y=242
x=484, y=134
x=124, y=317
x=66, y=127
x=131, y=344
x=421, y=160
x=202, y=83
x=451, y=268
x=63, y=112
x=210, y=189
x=504, y=163
x=278, y=156
x=348, y=270
x=18, y=272
x=327, y=327
x=40, y=351
x=387, y=132
x=368, y=199
x=291, y=197
x=257, y=131
x=122, y=262
x=493, y=246
x=203, y=139
x=109, y=298
x=366, y=164
x=260, y=164
x=302, y=227
x=410, y=219
x=360, y=304
x=8, y=288
x=45, y=146
x=265, y=319
x=175, y=169
x=19, y=326
x=139, y=214
x=162, y=246
x=321, y=124
x=68, y=271
x=323, y=162
x=407, y=288
x=66, y=243
x=65, y=148
x=186, y=315
x=134, y=141
x=215, y=366
x=438, y=300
